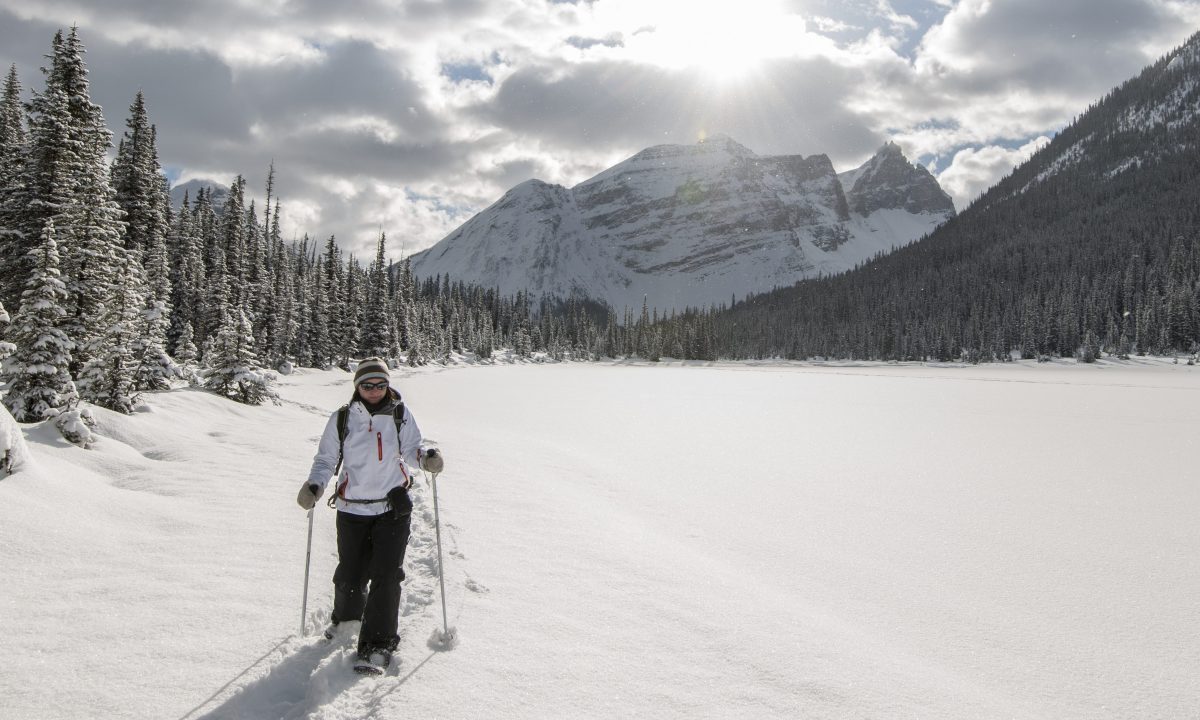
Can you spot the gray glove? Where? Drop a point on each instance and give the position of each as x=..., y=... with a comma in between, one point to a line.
x=309, y=492
x=431, y=461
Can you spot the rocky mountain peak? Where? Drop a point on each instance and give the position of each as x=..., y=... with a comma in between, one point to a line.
x=889, y=180
x=689, y=225
x=725, y=143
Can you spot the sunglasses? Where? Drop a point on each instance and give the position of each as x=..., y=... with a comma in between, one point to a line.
x=381, y=385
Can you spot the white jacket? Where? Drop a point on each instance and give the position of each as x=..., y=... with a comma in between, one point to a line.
x=374, y=460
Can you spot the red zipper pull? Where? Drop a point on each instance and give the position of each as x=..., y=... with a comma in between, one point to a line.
x=379, y=440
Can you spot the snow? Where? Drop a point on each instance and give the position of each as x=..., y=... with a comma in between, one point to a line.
x=630, y=234
x=13, y=451
x=673, y=540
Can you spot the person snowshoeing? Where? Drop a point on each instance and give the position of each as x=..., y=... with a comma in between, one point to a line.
x=375, y=441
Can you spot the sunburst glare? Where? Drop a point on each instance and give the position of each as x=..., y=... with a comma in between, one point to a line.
x=724, y=41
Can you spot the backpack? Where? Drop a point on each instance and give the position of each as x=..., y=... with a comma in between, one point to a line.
x=343, y=419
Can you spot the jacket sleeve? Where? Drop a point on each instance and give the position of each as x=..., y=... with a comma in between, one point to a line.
x=410, y=440
x=327, y=455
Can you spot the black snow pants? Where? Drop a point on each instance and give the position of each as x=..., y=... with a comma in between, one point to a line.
x=367, y=580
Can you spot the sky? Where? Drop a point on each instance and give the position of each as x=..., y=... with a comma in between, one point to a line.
x=409, y=116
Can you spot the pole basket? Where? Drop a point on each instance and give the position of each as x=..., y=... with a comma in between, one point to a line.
x=443, y=640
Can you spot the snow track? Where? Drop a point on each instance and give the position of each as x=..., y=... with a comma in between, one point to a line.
x=311, y=678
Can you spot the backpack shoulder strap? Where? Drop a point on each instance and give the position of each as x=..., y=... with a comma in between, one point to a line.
x=343, y=419
x=398, y=416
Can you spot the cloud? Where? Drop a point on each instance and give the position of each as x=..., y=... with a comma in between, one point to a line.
x=613, y=40
x=412, y=116
x=1071, y=46
x=791, y=107
x=974, y=170
x=1004, y=73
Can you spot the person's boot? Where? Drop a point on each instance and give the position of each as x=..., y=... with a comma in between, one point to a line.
x=342, y=632
x=373, y=661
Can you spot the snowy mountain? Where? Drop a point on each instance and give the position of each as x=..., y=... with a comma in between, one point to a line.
x=217, y=193
x=691, y=225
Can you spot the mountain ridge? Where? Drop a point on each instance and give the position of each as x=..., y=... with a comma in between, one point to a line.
x=691, y=225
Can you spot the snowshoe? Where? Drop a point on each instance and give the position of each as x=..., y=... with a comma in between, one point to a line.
x=373, y=662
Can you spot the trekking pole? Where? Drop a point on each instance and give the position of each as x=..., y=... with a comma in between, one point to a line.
x=307, y=561
x=447, y=635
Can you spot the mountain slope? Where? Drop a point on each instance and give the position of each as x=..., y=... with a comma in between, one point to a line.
x=1093, y=245
x=691, y=225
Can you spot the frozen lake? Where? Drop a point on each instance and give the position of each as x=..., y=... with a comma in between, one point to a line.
x=667, y=541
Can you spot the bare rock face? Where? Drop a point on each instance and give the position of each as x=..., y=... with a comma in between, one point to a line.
x=889, y=180
x=692, y=225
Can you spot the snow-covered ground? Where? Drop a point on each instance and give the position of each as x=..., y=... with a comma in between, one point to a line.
x=630, y=540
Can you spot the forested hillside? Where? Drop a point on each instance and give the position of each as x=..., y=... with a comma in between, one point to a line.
x=1091, y=246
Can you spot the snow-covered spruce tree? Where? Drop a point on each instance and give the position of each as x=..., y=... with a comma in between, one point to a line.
x=45, y=188
x=266, y=304
x=36, y=374
x=187, y=354
x=87, y=219
x=377, y=321
x=356, y=300
x=12, y=122
x=1089, y=352
x=109, y=377
x=300, y=348
x=269, y=301
x=13, y=147
x=186, y=276
x=233, y=365
x=318, y=319
x=416, y=351
x=203, y=231
x=404, y=298
x=6, y=348
x=284, y=318
x=76, y=425
x=486, y=344
x=446, y=355
x=155, y=368
x=341, y=332
x=137, y=180
x=257, y=282
x=233, y=241
x=218, y=298
x=13, y=452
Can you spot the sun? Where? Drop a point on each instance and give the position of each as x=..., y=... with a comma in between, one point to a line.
x=724, y=41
